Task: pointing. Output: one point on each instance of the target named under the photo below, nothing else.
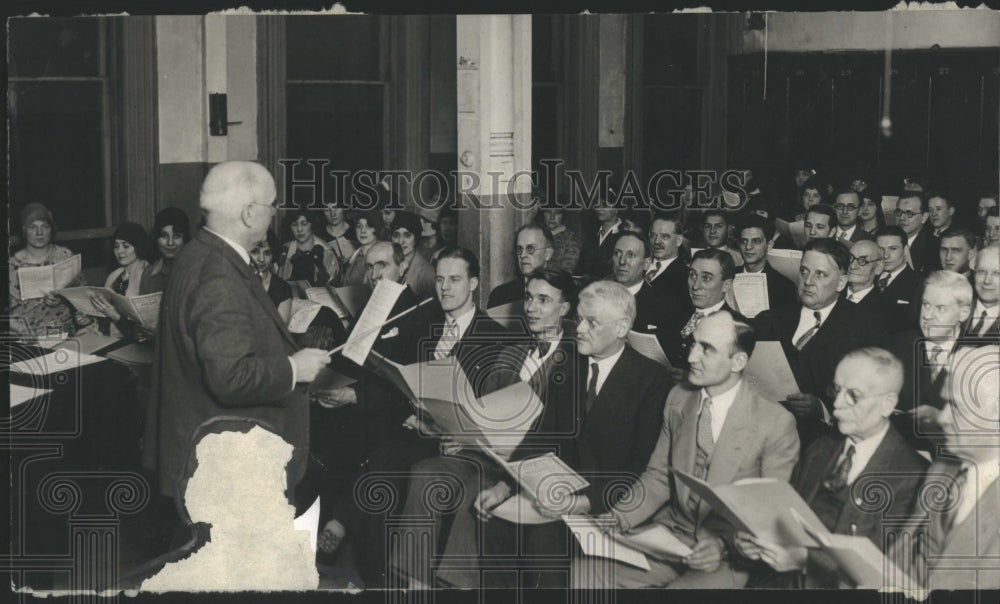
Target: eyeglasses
(862, 261)
(273, 205)
(905, 214)
(982, 273)
(529, 250)
(845, 207)
(851, 397)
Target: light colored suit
(758, 439)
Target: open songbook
(648, 346)
(144, 309)
(633, 547)
(749, 294)
(36, 281)
(796, 231)
(347, 302)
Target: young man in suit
(223, 350)
(816, 333)
(835, 469)
(458, 330)
(985, 319)
(668, 272)
(717, 428)
(755, 241)
(940, 213)
(716, 230)
(595, 255)
(549, 362)
(620, 403)
(898, 283)
(954, 542)
(533, 248)
(911, 215)
(847, 203)
(957, 251)
(819, 222)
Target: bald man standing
(222, 348)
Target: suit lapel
(684, 446)
(730, 448)
(829, 454)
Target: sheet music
(22, 394)
(648, 346)
(769, 373)
(889, 203)
(302, 314)
(369, 324)
(63, 359)
(786, 262)
(67, 271)
(79, 297)
(520, 510)
(506, 415)
(36, 281)
(595, 542)
(329, 299)
(147, 307)
(655, 540)
(540, 475)
(795, 230)
(511, 316)
(354, 297)
(750, 293)
(140, 353)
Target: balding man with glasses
(533, 248)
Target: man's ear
(473, 284)
(740, 360)
(727, 285)
(548, 254)
(563, 309)
(841, 282)
(246, 215)
(770, 245)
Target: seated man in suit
(617, 423)
(717, 428)
(945, 308)
(898, 283)
(459, 330)
(847, 203)
(755, 240)
(985, 319)
(716, 230)
(940, 212)
(955, 544)
(866, 265)
(836, 469)
(819, 222)
(958, 251)
(816, 333)
(630, 262)
(595, 254)
(668, 272)
(991, 231)
(911, 216)
(549, 362)
(533, 248)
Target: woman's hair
(294, 214)
(174, 217)
(135, 236)
(816, 185)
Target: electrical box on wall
(217, 114)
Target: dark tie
(979, 326)
(692, 324)
(542, 346)
(652, 272)
(591, 388)
(705, 444)
(808, 335)
(838, 479)
(954, 499)
(883, 282)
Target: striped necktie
(808, 335)
(705, 444)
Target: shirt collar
(635, 288)
(991, 313)
(614, 229)
(237, 247)
(713, 308)
(860, 295)
(864, 449)
(463, 321)
(807, 314)
(605, 365)
(720, 402)
(848, 233)
(663, 266)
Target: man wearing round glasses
(833, 471)
(848, 205)
(533, 245)
(911, 215)
(866, 265)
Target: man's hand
(308, 362)
(746, 546)
(338, 397)
(489, 499)
(706, 555)
(572, 504)
(804, 406)
(780, 558)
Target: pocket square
(902, 301)
(392, 333)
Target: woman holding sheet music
(306, 257)
(39, 316)
(130, 248)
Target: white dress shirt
(858, 296)
(863, 451)
(720, 407)
(604, 367)
(663, 266)
(635, 288)
(991, 315)
(460, 325)
(893, 274)
(533, 362)
(601, 236)
(807, 320)
(846, 233)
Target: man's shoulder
(765, 412)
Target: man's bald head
(237, 198)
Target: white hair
(613, 294)
(230, 186)
(958, 285)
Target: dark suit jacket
(860, 234)
(875, 307)
(618, 435)
(758, 439)
(595, 257)
(924, 251)
(780, 289)
(992, 326)
(505, 293)
(919, 387)
(222, 350)
(676, 346)
(671, 286)
(902, 300)
(844, 330)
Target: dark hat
(408, 221)
(174, 217)
(36, 211)
(133, 234)
(372, 217)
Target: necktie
(808, 335)
(850, 297)
(838, 479)
(692, 324)
(447, 342)
(652, 272)
(843, 235)
(591, 388)
(936, 359)
(705, 444)
(542, 346)
(954, 500)
(883, 282)
(979, 326)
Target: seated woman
(172, 230)
(130, 248)
(417, 272)
(870, 216)
(306, 258)
(36, 317)
(367, 225)
(813, 192)
(566, 252)
(340, 236)
(262, 262)
(430, 237)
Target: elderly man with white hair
(223, 349)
